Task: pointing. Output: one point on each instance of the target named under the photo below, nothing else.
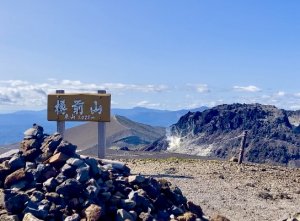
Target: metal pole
(243, 142)
(101, 135)
(60, 124)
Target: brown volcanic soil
(251, 192)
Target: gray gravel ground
(252, 192)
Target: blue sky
(163, 54)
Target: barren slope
(120, 131)
(255, 192)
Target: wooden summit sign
(79, 107)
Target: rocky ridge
(215, 132)
(48, 180)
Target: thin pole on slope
(101, 135)
(60, 124)
(243, 142)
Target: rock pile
(48, 180)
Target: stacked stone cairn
(48, 180)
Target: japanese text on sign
(79, 107)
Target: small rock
(54, 198)
(83, 173)
(31, 155)
(128, 204)
(37, 196)
(29, 144)
(44, 157)
(196, 209)
(76, 162)
(188, 216)
(30, 133)
(162, 203)
(47, 172)
(51, 143)
(30, 165)
(68, 170)
(61, 178)
(92, 191)
(66, 148)
(40, 130)
(296, 217)
(105, 196)
(3, 174)
(58, 159)
(176, 210)
(36, 212)
(136, 179)
(15, 177)
(123, 215)
(124, 148)
(38, 209)
(93, 163)
(30, 217)
(234, 159)
(133, 214)
(70, 188)
(145, 216)
(50, 184)
(73, 203)
(15, 202)
(16, 162)
(93, 212)
(163, 215)
(6, 217)
(74, 217)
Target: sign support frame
(101, 134)
(61, 125)
(96, 108)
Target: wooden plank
(79, 107)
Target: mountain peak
(271, 137)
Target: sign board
(79, 107)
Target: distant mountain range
(12, 125)
(273, 134)
(154, 117)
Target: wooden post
(243, 142)
(101, 135)
(60, 124)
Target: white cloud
(145, 103)
(250, 88)
(200, 88)
(27, 94)
(281, 93)
(134, 87)
(17, 94)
